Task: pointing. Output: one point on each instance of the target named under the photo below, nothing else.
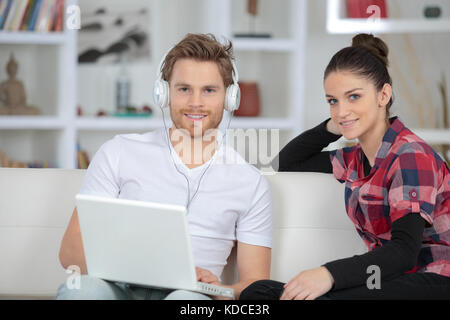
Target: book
(41, 15)
(4, 161)
(24, 15)
(54, 14)
(50, 9)
(57, 26)
(28, 14)
(3, 4)
(18, 15)
(10, 15)
(4, 9)
(46, 16)
(32, 15)
(35, 15)
(358, 8)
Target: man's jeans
(92, 288)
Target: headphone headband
(234, 74)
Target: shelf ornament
(12, 93)
(252, 10)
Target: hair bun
(374, 45)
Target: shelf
(54, 135)
(430, 136)
(109, 123)
(113, 123)
(350, 26)
(338, 25)
(261, 123)
(31, 37)
(433, 136)
(277, 45)
(31, 123)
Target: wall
(169, 21)
(417, 62)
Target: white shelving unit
(337, 24)
(48, 66)
(276, 63)
(108, 123)
(340, 25)
(433, 136)
(275, 45)
(282, 56)
(32, 122)
(28, 37)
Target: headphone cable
(189, 199)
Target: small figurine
(252, 10)
(12, 94)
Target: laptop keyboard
(214, 290)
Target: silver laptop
(140, 243)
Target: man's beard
(199, 128)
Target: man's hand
(206, 276)
(308, 285)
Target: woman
(397, 190)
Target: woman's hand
(308, 285)
(333, 128)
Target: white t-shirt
(233, 201)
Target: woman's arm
(304, 153)
(394, 258)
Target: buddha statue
(12, 94)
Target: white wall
(320, 48)
(416, 64)
(169, 21)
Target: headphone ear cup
(232, 97)
(161, 93)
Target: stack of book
(6, 163)
(82, 158)
(31, 15)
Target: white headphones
(161, 89)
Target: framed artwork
(111, 29)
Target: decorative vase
(432, 12)
(250, 105)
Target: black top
(395, 257)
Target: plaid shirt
(408, 176)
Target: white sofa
(310, 227)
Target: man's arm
(253, 263)
(71, 251)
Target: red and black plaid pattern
(408, 177)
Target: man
(227, 201)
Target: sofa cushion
(310, 227)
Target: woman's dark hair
(367, 57)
